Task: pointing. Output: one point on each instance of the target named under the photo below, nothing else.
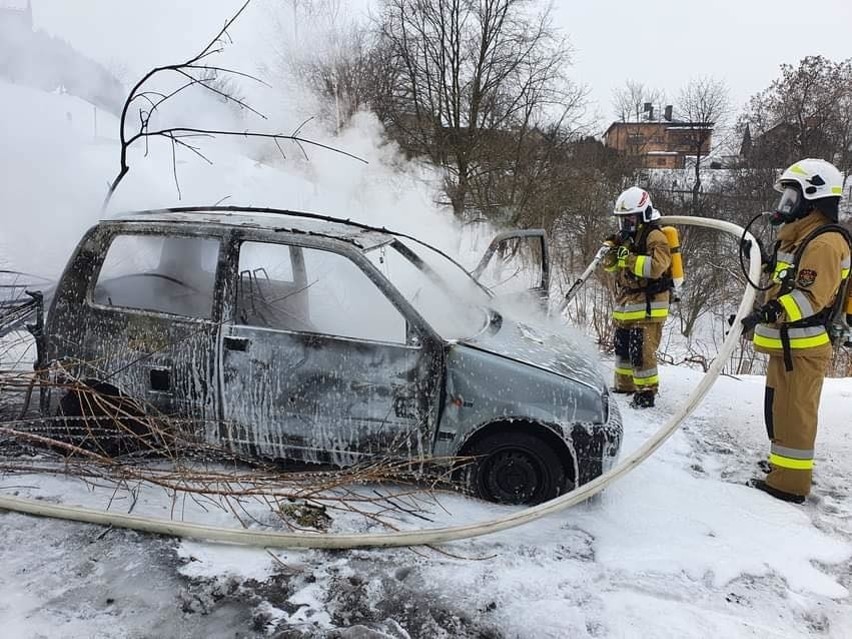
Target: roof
(668, 124)
(360, 235)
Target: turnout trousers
(636, 345)
(791, 405)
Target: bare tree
(633, 104)
(349, 70)
(473, 77)
(703, 105)
(628, 102)
(804, 113)
(193, 73)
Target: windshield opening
(441, 292)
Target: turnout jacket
(642, 279)
(816, 281)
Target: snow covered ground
(679, 548)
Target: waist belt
(805, 333)
(654, 287)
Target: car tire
(91, 427)
(515, 468)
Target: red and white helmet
(635, 200)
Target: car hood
(544, 349)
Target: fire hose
(430, 536)
(575, 286)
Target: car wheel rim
(513, 477)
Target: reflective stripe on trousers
(792, 458)
(647, 377)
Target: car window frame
(418, 330)
(107, 235)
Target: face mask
(628, 226)
(790, 207)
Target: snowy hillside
(679, 548)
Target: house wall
(647, 138)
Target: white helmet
(812, 179)
(635, 200)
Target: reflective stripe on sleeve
(797, 305)
(642, 268)
(791, 307)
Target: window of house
(293, 288)
(160, 273)
(661, 161)
(635, 138)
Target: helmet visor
(628, 223)
(791, 199)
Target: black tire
(515, 468)
(89, 424)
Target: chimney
(668, 113)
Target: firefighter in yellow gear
(640, 259)
(810, 263)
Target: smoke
(56, 164)
(55, 172)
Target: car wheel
(515, 468)
(93, 424)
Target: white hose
(433, 535)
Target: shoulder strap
(642, 240)
(825, 228)
(789, 282)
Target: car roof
(360, 235)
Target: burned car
(293, 336)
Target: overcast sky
(661, 43)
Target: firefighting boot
(760, 484)
(643, 399)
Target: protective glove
(621, 256)
(766, 314)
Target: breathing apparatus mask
(628, 224)
(791, 206)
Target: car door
(516, 266)
(318, 363)
(137, 311)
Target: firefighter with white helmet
(809, 267)
(641, 260)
